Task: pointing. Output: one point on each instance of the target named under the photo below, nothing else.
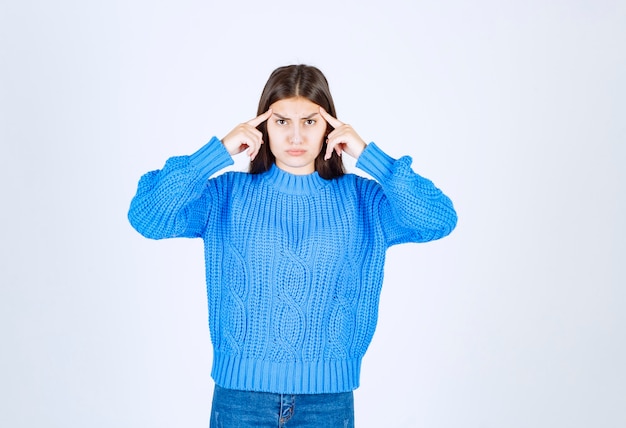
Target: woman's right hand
(245, 136)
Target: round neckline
(286, 182)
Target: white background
(516, 109)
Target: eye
(281, 122)
(309, 122)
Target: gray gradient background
(516, 109)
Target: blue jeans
(248, 409)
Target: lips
(296, 152)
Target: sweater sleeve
(173, 201)
(411, 208)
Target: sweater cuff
(375, 162)
(211, 157)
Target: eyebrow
(280, 116)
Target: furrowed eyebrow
(280, 116)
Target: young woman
(294, 250)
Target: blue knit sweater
(294, 264)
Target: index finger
(333, 121)
(260, 118)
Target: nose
(296, 135)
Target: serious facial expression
(296, 131)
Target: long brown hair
(297, 81)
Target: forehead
(295, 107)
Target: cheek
(275, 139)
(277, 132)
(317, 137)
(272, 135)
(271, 144)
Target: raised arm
(171, 202)
(175, 201)
(410, 207)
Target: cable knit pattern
(294, 264)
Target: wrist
(375, 162)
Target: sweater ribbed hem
(321, 377)
(211, 158)
(375, 162)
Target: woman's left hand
(342, 139)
